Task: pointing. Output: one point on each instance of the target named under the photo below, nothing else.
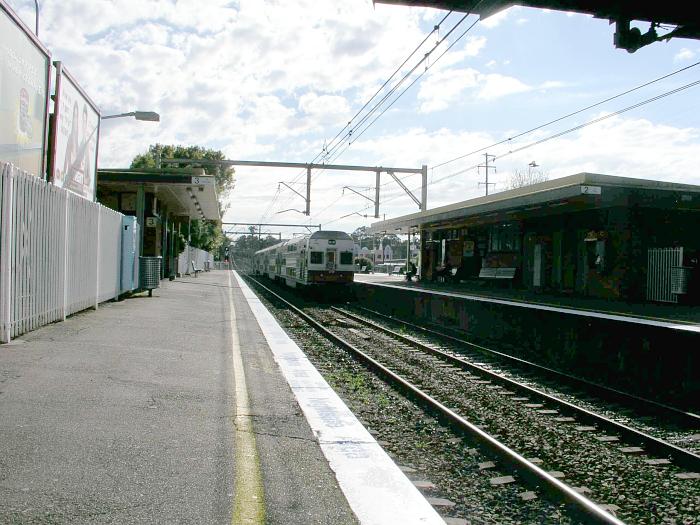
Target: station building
(164, 201)
(586, 234)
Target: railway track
(502, 419)
(646, 407)
(585, 416)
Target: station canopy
(564, 195)
(184, 191)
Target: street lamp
(150, 116)
(533, 164)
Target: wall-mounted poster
(24, 88)
(75, 137)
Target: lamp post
(149, 116)
(533, 164)
(36, 18)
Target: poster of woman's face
(76, 131)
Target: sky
(277, 80)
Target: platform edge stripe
(559, 309)
(358, 464)
(248, 504)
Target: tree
(520, 178)
(224, 175)
(243, 248)
(205, 235)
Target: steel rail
(686, 418)
(680, 456)
(579, 505)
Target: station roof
(184, 191)
(573, 193)
(680, 14)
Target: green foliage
(246, 245)
(224, 175)
(205, 235)
(361, 261)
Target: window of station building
(345, 257)
(316, 257)
(504, 237)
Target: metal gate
(660, 262)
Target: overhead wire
(324, 152)
(568, 115)
(349, 134)
(567, 131)
(435, 28)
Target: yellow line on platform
(248, 494)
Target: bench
(445, 278)
(195, 270)
(497, 273)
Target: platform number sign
(591, 190)
(203, 181)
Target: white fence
(202, 260)
(59, 253)
(660, 263)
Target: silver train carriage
(323, 257)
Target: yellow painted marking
(248, 494)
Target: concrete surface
(377, 490)
(124, 415)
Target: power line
(332, 152)
(324, 151)
(414, 81)
(566, 116)
(436, 28)
(349, 134)
(565, 132)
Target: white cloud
(684, 54)
(552, 84)
(326, 109)
(269, 80)
(627, 147)
(495, 86)
(443, 88)
(474, 45)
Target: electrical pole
(487, 168)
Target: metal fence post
(6, 254)
(97, 258)
(66, 249)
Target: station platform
(191, 406)
(681, 317)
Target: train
(316, 260)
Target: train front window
(345, 257)
(316, 257)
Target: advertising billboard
(24, 90)
(75, 136)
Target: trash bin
(149, 273)
(207, 266)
